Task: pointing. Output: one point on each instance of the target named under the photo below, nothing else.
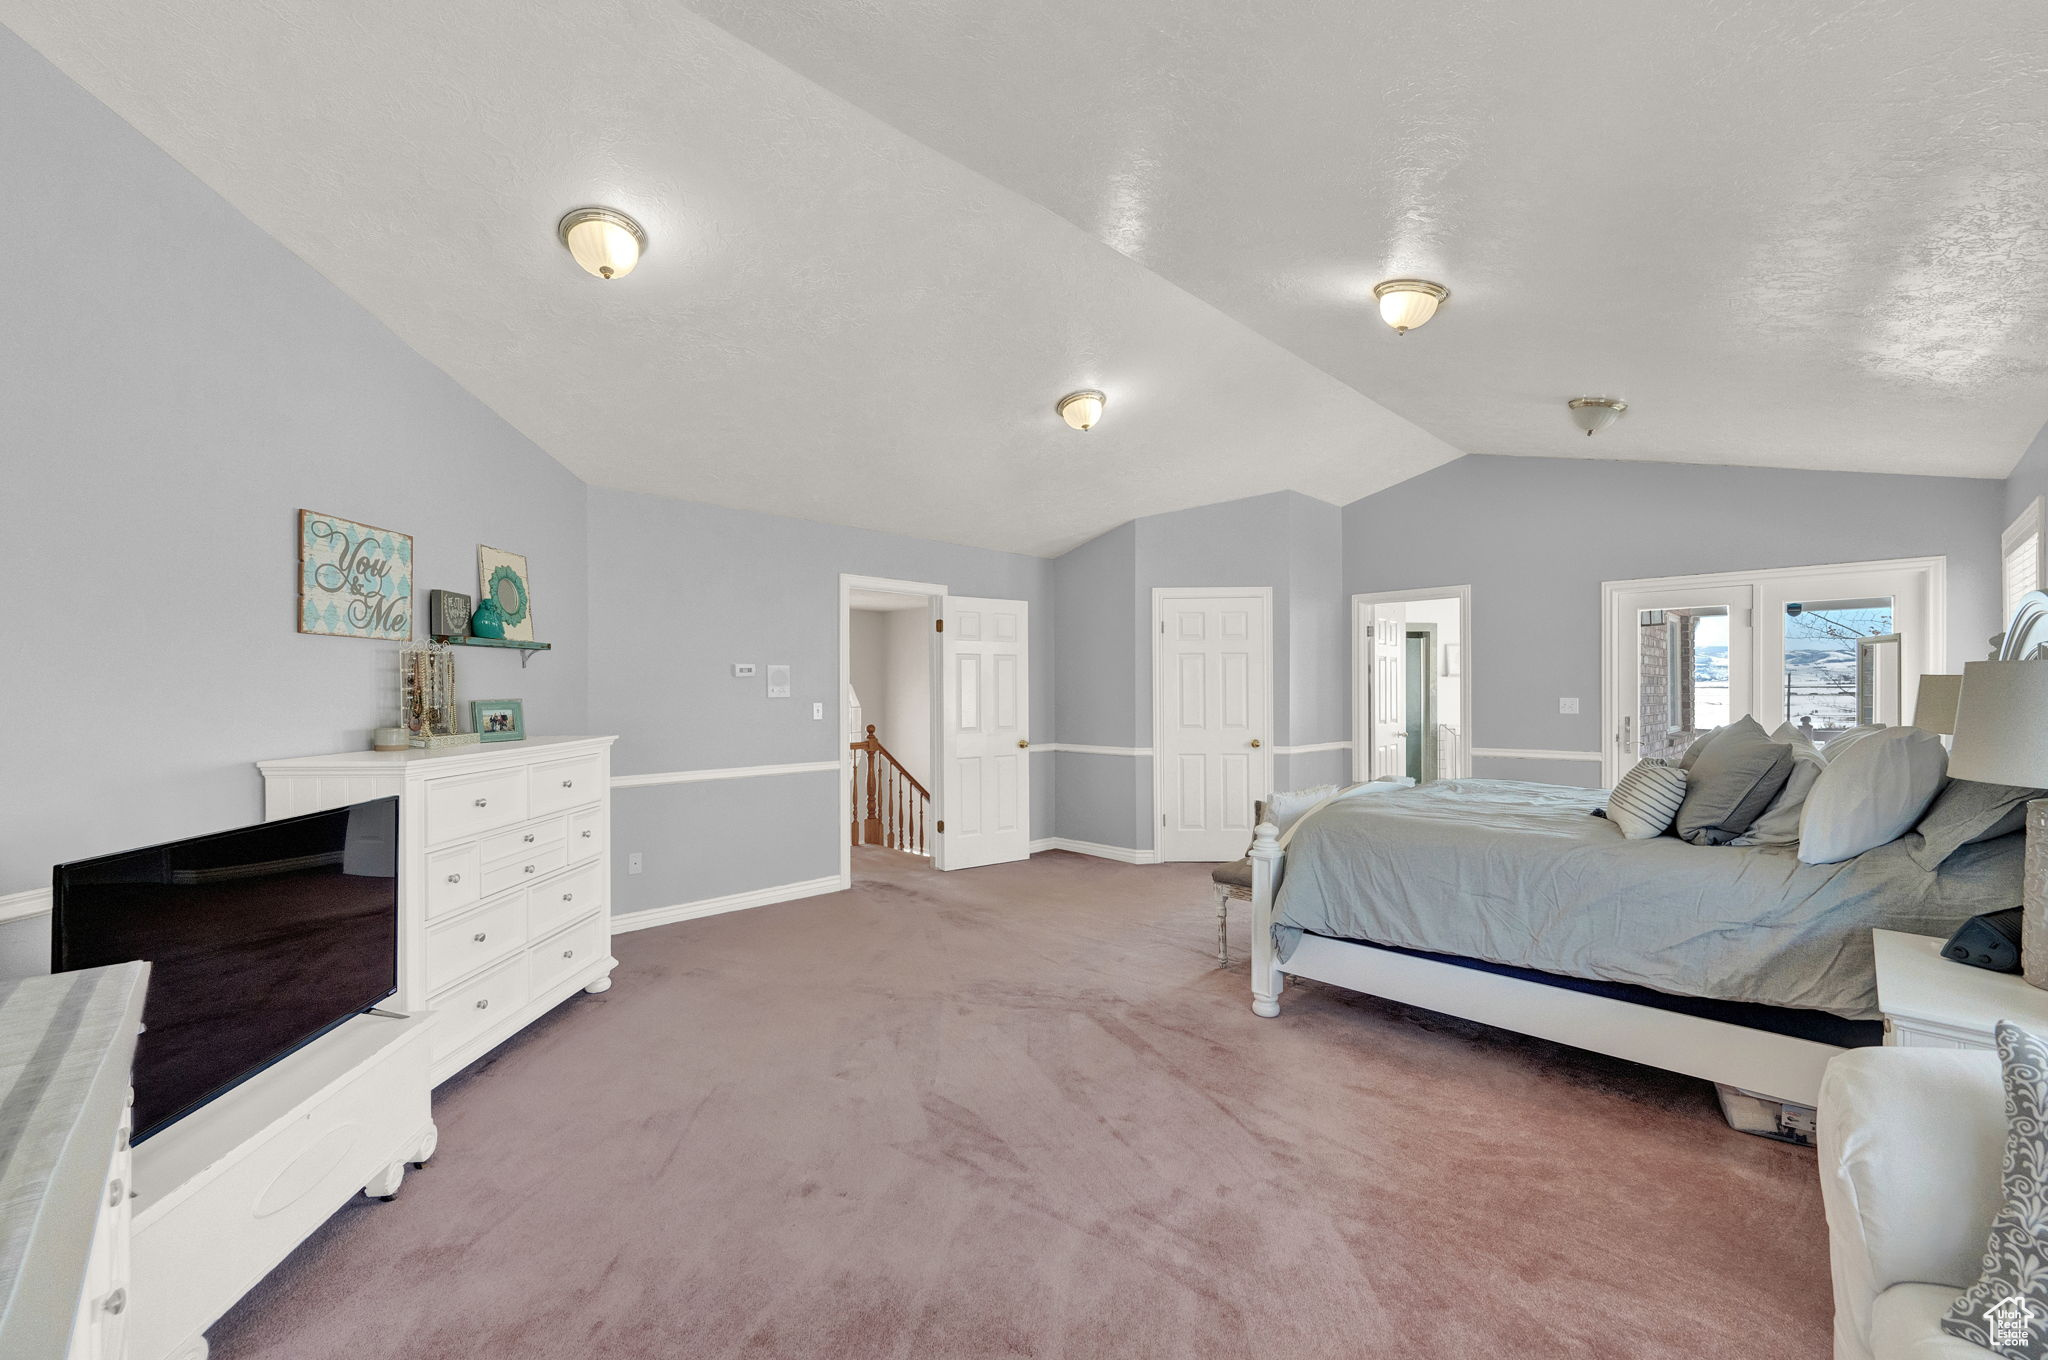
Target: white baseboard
(22, 905)
(713, 906)
(1122, 854)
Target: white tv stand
(226, 1193)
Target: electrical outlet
(1567, 705)
(742, 669)
(818, 712)
(633, 863)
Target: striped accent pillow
(1647, 799)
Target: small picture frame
(501, 578)
(498, 719)
(449, 610)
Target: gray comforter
(1523, 874)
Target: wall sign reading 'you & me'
(355, 580)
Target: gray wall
(1535, 537)
(172, 400)
(2028, 480)
(680, 591)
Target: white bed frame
(1776, 1066)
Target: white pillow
(1834, 746)
(1284, 809)
(1780, 823)
(1871, 794)
(1646, 799)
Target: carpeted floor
(1018, 1111)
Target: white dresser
(505, 887)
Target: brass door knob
(1255, 742)
(1021, 743)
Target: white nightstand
(1930, 1002)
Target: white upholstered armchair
(1910, 1146)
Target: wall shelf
(525, 649)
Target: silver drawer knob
(116, 1301)
(483, 802)
(455, 878)
(530, 868)
(114, 1194)
(478, 937)
(484, 1004)
(568, 953)
(586, 835)
(568, 897)
(568, 783)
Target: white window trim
(1929, 655)
(2031, 521)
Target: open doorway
(1412, 706)
(889, 727)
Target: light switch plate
(778, 682)
(633, 863)
(1567, 705)
(818, 712)
(742, 668)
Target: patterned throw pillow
(1646, 799)
(2007, 1309)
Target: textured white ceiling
(1809, 235)
(832, 321)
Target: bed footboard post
(1266, 858)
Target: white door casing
(984, 793)
(1365, 645)
(1622, 692)
(1212, 718)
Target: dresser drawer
(461, 946)
(473, 804)
(525, 840)
(586, 834)
(467, 1011)
(548, 905)
(560, 785)
(513, 872)
(561, 955)
(455, 879)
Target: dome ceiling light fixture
(1408, 303)
(604, 241)
(1082, 409)
(1594, 414)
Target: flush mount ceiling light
(1407, 303)
(1082, 409)
(605, 242)
(1594, 414)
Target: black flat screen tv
(259, 941)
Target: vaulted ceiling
(884, 238)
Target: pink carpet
(1018, 1111)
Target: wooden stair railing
(889, 805)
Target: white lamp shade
(2002, 724)
(1596, 414)
(1934, 708)
(605, 243)
(1081, 409)
(1405, 310)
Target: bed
(1511, 904)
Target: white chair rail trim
(1521, 753)
(22, 905)
(1079, 749)
(642, 781)
(713, 906)
(1312, 748)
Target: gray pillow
(1699, 744)
(1966, 812)
(2012, 1258)
(1731, 784)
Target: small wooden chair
(1232, 883)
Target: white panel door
(1215, 760)
(1387, 654)
(1682, 666)
(985, 764)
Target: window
(1829, 677)
(2020, 553)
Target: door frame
(1426, 746)
(1262, 768)
(1932, 660)
(935, 608)
(1361, 673)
